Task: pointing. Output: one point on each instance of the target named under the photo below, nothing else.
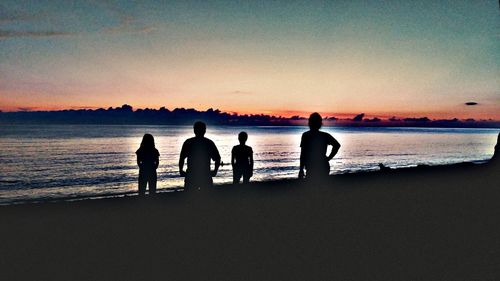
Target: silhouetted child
(242, 160)
(148, 159)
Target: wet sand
(434, 223)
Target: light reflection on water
(65, 160)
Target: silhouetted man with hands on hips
(199, 152)
(314, 144)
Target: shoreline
(425, 223)
(169, 190)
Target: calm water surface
(53, 161)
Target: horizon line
(276, 114)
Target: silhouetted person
(313, 146)
(242, 160)
(199, 152)
(495, 159)
(148, 159)
(383, 167)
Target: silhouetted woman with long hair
(148, 159)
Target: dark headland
(427, 223)
(127, 115)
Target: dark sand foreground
(436, 223)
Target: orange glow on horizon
(433, 115)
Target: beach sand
(431, 223)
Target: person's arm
(335, 148)
(139, 159)
(302, 160)
(181, 160)
(251, 162)
(216, 167)
(157, 160)
(216, 158)
(233, 158)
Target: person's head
(199, 129)
(242, 137)
(148, 142)
(315, 121)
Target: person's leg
(203, 180)
(246, 178)
(318, 173)
(142, 184)
(236, 175)
(326, 171)
(188, 182)
(313, 172)
(246, 175)
(209, 182)
(152, 183)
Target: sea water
(40, 162)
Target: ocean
(40, 162)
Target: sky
(340, 58)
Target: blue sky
(339, 57)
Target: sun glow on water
(88, 160)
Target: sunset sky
(419, 58)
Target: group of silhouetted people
(201, 151)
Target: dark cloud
(126, 28)
(26, 108)
(448, 120)
(358, 117)
(126, 24)
(83, 107)
(9, 16)
(471, 103)
(6, 34)
(376, 119)
(421, 119)
(14, 16)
